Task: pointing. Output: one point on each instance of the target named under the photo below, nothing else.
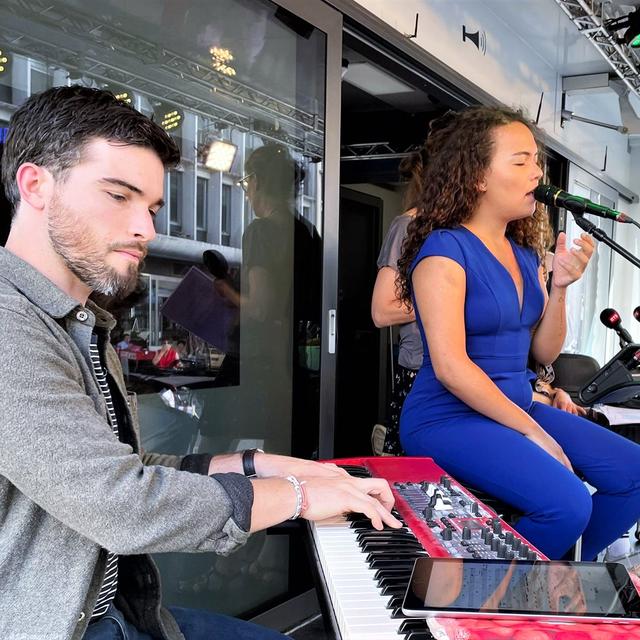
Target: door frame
(328, 20)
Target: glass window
(175, 201)
(587, 297)
(202, 187)
(39, 80)
(247, 374)
(225, 219)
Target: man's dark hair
(52, 128)
(279, 176)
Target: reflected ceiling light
(3, 61)
(220, 59)
(631, 36)
(374, 80)
(171, 120)
(123, 97)
(219, 155)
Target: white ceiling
(544, 25)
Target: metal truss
(590, 17)
(64, 37)
(373, 151)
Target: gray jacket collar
(43, 293)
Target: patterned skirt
(403, 382)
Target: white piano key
(359, 606)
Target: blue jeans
(194, 624)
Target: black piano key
(367, 536)
(413, 624)
(419, 635)
(380, 563)
(361, 522)
(399, 552)
(393, 574)
(398, 555)
(356, 470)
(390, 546)
(404, 584)
(393, 591)
(390, 582)
(383, 533)
(403, 539)
(381, 573)
(393, 547)
(397, 614)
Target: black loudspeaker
(478, 38)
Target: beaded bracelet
(301, 497)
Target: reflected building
(225, 79)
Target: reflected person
(82, 506)
(280, 294)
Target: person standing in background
(387, 310)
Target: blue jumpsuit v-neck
(556, 506)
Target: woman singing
(471, 267)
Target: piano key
(359, 605)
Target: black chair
(572, 371)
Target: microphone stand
(600, 235)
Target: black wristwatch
(248, 466)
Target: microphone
(611, 318)
(636, 313)
(548, 194)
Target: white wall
(530, 45)
(391, 201)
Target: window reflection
(223, 332)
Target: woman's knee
(570, 507)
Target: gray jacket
(70, 489)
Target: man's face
(100, 218)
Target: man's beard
(83, 255)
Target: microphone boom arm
(600, 235)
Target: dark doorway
(358, 364)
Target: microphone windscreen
(610, 318)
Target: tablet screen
(558, 588)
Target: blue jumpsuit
(556, 506)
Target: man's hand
(269, 465)
(274, 500)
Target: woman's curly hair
(457, 154)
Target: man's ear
(35, 184)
